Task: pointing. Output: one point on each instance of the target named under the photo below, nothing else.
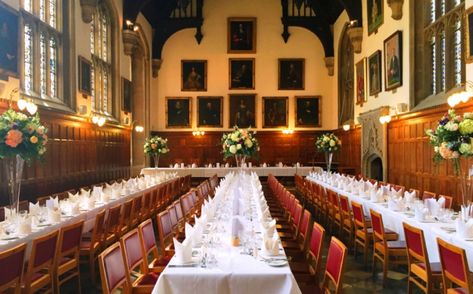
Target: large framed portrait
(85, 76)
(275, 112)
(8, 42)
(242, 73)
(393, 61)
(375, 13)
(360, 82)
(308, 111)
(209, 111)
(242, 110)
(469, 35)
(126, 93)
(178, 112)
(241, 35)
(194, 75)
(291, 74)
(374, 71)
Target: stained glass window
(434, 64)
(52, 67)
(43, 56)
(42, 10)
(100, 41)
(28, 58)
(52, 13)
(457, 63)
(27, 5)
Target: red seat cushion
(163, 261)
(36, 276)
(435, 267)
(459, 290)
(149, 279)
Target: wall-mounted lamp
(129, 24)
(393, 111)
(98, 120)
(460, 94)
(139, 129)
(348, 124)
(28, 105)
(385, 119)
(198, 133)
(287, 131)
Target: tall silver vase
(14, 173)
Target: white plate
(428, 221)
(277, 262)
(468, 239)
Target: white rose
(238, 146)
(248, 143)
(332, 143)
(436, 149)
(233, 149)
(451, 126)
(326, 139)
(234, 137)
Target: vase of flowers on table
(22, 138)
(240, 144)
(154, 147)
(328, 143)
(452, 140)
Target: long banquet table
(205, 172)
(394, 221)
(87, 215)
(234, 271)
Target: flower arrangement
(452, 138)
(328, 142)
(239, 142)
(22, 135)
(156, 146)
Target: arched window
(438, 54)
(41, 47)
(100, 49)
(345, 79)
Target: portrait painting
(209, 111)
(308, 111)
(242, 73)
(375, 15)
(469, 35)
(126, 93)
(374, 70)
(178, 112)
(291, 74)
(242, 110)
(393, 61)
(8, 42)
(241, 35)
(275, 112)
(85, 76)
(194, 75)
(360, 82)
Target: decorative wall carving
(356, 38)
(88, 8)
(396, 8)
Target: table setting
(233, 247)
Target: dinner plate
(427, 221)
(8, 238)
(277, 262)
(448, 229)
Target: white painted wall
(270, 47)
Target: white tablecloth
(393, 220)
(205, 172)
(234, 272)
(87, 216)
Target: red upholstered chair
(363, 232)
(113, 270)
(335, 266)
(134, 259)
(68, 255)
(125, 217)
(40, 270)
(148, 241)
(455, 269)
(146, 209)
(422, 273)
(299, 245)
(91, 246)
(11, 268)
(347, 218)
(165, 233)
(448, 201)
(136, 211)
(388, 252)
(112, 224)
(427, 195)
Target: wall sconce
(198, 133)
(129, 24)
(98, 120)
(385, 119)
(28, 105)
(462, 93)
(348, 124)
(393, 111)
(287, 131)
(139, 129)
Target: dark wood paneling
(410, 154)
(78, 154)
(275, 147)
(349, 156)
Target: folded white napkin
(227, 165)
(176, 165)
(52, 202)
(434, 205)
(34, 208)
(270, 228)
(420, 213)
(265, 165)
(409, 197)
(270, 245)
(97, 191)
(9, 213)
(84, 192)
(377, 195)
(54, 215)
(194, 233)
(395, 193)
(183, 251)
(464, 229)
(24, 226)
(237, 227)
(396, 204)
(202, 221)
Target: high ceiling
(159, 15)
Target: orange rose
(34, 139)
(13, 138)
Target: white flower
(248, 143)
(233, 149)
(451, 126)
(436, 149)
(234, 137)
(238, 146)
(332, 143)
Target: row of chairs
(302, 239)
(136, 259)
(367, 232)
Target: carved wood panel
(78, 154)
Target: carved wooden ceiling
(170, 16)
